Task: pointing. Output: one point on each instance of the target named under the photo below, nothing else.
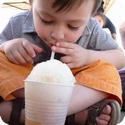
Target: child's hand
(20, 51)
(75, 55)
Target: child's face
(100, 20)
(68, 26)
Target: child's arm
(115, 57)
(95, 44)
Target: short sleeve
(14, 27)
(100, 39)
(6, 34)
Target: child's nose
(57, 34)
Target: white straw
(52, 55)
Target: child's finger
(37, 48)
(25, 55)
(31, 48)
(19, 58)
(71, 65)
(12, 58)
(66, 59)
(61, 50)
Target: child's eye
(73, 27)
(46, 22)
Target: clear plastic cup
(46, 104)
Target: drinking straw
(52, 55)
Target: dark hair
(68, 4)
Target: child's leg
(6, 108)
(83, 97)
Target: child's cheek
(42, 33)
(73, 37)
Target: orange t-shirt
(11, 77)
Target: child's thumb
(37, 49)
